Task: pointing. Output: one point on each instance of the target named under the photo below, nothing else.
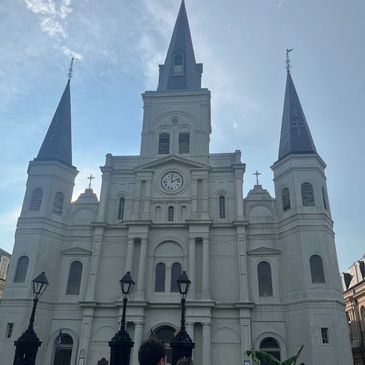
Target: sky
(118, 44)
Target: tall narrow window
(264, 279)
(324, 333)
(324, 197)
(164, 143)
(175, 273)
(271, 346)
(74, 278)
(286, 199)
(21, 269)
(222, 207)
(121, 209)
(184, 142)
(317, 272)
(307, 194)
(170, 214)
(160, 277)
(179, 64)
(58, 203)
(9, 330)
(36, 200)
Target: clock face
(172, 181)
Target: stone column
(190, 329)
(136, 200)
(141, 270)
(129, 259)
(205, 197)
(191, 273)
(207, 340)
(206, 270)
(238, 180)
(86, 323)
(146, 213)
(245, 325)
(138, 332)
(194, 200)
(242, 262)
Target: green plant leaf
(292, 360)
(263, 356)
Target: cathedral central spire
(180, 70)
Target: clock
(171, 181)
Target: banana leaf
(292, 360)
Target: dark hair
(151, 352)
(185, 361)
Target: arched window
(63, 350)
(307, 194)
(184, 142)
(74, 278)
(160, 277)
(183, 213)
(158, 214)
(170, 214)
(121, 209)
(166, 335)
(264, 279)
(271, 346)
(317, 272)
(164, 143)
(36, 200)
(286, 199)
(58, 203)
(222, 206)
(21, 269)
(324, 197)
(175, 273)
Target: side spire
(57, 142)
(180, 70)
(295, 136)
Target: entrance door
(63, 355)
(166, 335)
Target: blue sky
(118, 45)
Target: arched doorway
(271, 346)
(64, 351)
(166, 334)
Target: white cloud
(52, 27)
(72, 54)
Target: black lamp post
(121, 344)
(26, 346)
(182, 345)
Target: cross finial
(91, 177)
(257, 174)
(70, 68)
(288, 66)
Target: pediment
(263, 251)
(76, 251)
(172, 159)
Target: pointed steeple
(57, 143)
(180, 71)
(295, 134)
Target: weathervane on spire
(288, 66)
(70, 69)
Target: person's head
(185, 361)
(151, 352)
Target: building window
(9, 330)
(175, 273)
(324, 197)
(324, 333)
(63, 350)
(179, 64)
(21, 269)
(222, 207)
(286, 199)
(164, 143)
(160, 277)
(58, 203)
(36, 201)
(271, 346)
(184, 142)
(121, 209)
(317, 272)
(264, 279)
(74, 278)
(307, 194)
(170, 214)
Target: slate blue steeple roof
(57, 143)
(295, 134)
(180, 71)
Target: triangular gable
(173, 159)
(77, 251)
(263, 251)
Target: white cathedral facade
(264, 270)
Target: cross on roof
(90, 178)
(257, 174)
